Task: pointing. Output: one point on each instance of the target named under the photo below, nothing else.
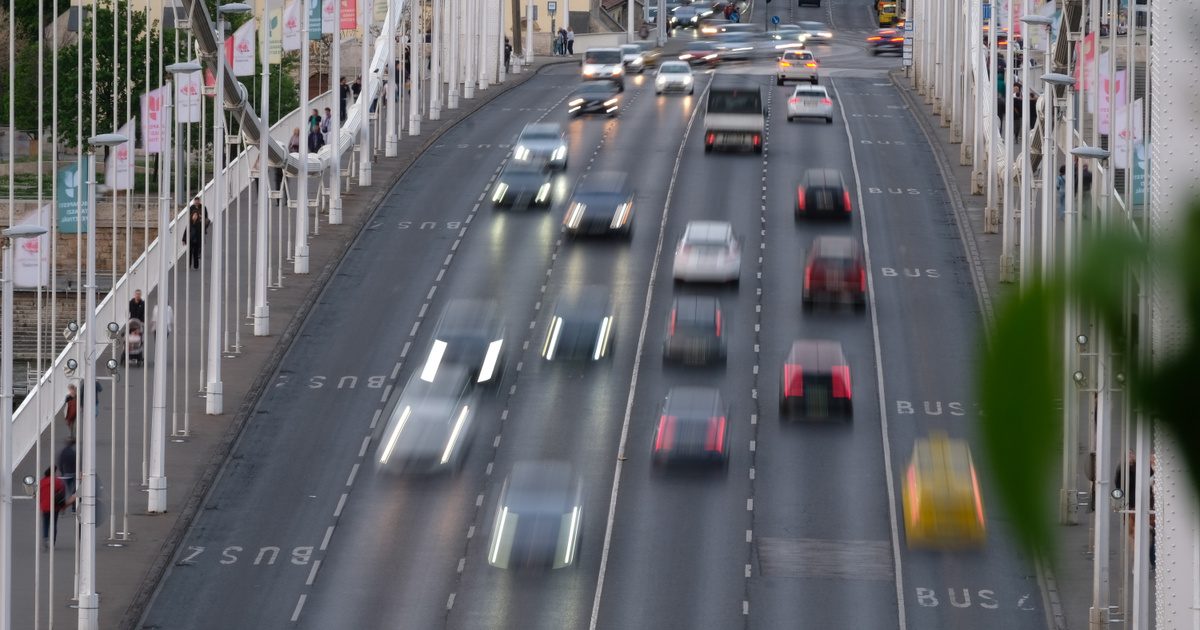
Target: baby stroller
(135, 347)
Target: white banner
(240, 48)
(328, 16)
(118, 168)
(381, 9)
(152, 112)
(187, 96)
(1117, 85)
(33, 254)
(1120, 150)
(291, 26)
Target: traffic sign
(775, 19)
(551, 7)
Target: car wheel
(860, 307)
(758, 149)
(814, 80)
(829, 120)
(789, 118)
(874, 52)
(691, 91)
(708, 148)
(778, 80)
(658, 92)
(806, 305)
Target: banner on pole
(291, 26)
(239, 50)
(1123, 134)
(32, 255)
(72, 197)
(328, 16)
(118, 167)
(1141, 160)
(187, 97)
(275, 36)
(349, 14)
(152, 112)
(1117, 84)
(314, 19)
(381, 9)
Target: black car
(823, 192)
(470, 334)
(693, 428)
(695, 332)
(816, 381)
(688, 16)
(601, 206)
(595, 97)
(886, 40)
(523, 183)
(581, 328)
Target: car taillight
(862, 280)
(897, 39)
(710, 138)
(811, 64)
(845, 197)
(841, 381)
(785, 64)
(800, 199)
(808, 271)
(757, 139)
(715, 440)
(793, 100)
(718, 323)
(671, 328)
(914, 493)
(874, 38)
(793, 380)
(978, 497)
(827, 101)
(666, 433)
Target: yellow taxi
(943, 507)
(888, 14)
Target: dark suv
(816, 381)
(835, 272)
(822, 192)
(694, 331)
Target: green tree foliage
(1020, 380)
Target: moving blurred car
(714, 27)
(734, 116)
(542, 141)
(787, 32)
(604, 64)
(835, 272)
(581, 328)
(888, 14)
(708, 252)
(538, 518)
(810, 101)
(689, 16)
(822, 192)
(601, 206)
(735, 46)
(594, 97)
(651, 54)
(886, 40)
(797, 65)
(816, 381)
(674, 76)
(694, 331)
(693, 428)
(429, 429)
(632, 59)
(522, 184)
(943, 507)
(470, 333)
(815, 31)
(700, 52)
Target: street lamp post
(157, 478)
(1027, 222)
(11, 235)
(214, 398)
(364, 148)
(89, 599)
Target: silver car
(429, 429)
(538, 518)
(708, 252)
(542, 141)
(674, 76)
(816, 32)
(797, 65)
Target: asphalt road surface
(800, 530)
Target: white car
(708, 252)
(632, 59)
(542, 141)
(816, 32)
(810, 101)
(674, 76)
(797, 65)
(604, 64)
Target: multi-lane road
(800, 531)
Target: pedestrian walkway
(134, 547)
(1068, 588)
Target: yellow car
(888, 14)
(943, 507)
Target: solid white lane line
(299, 607)
(612, 502)
(883, 417)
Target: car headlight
(559, 153)
(390, 444)
(589, 72)
(434, 360)
(618, 71)
(621, 216)
(455, 434)
(551, 344)
(576, 102)
(521, 152)
(490, 361)
(660, 79)
(602, 339)
(575, 215)
(687, 78)
(543, 192)
(610, 102)
(501, 190)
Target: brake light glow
(811, 64)
(841, 381)
(897, 39)
(914, 494)
(666, 433)
(785, 64)
(800, 204)
(827, 101)
(808, 277)
(978, 497)
(793, 101)
(718, 322)
(671, 327)
(862, 280)
(757, 139)
(710, 138)
(793, 380)
(874, 38)
(845, 197)
(715, 440)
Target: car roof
(823, 177)
(635, 47)
(708, 231)
(944, 464)
(696, 307)
(542, 129)
(604, 49)
(604, 182)
(835, 247)
(478, 315)
(810, 88)
(674, 64)
(540, 486)
(692, 402)
(816, 354)
(803, 54)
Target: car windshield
(812, 26)
(673, 68)
(604, 57)
(540, 135)
(810, 93)
(747, 101)
(631, 49)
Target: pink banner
(152, 123)
(349, 20)
(118, 171)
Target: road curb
(132, 618)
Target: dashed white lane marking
(490, 466)
(496, 442)
(396, 369)
(387, 391)
(470, 532)
(375, 418)
(751, 446)
(454, 246)
(752, 473)
(449, 257)
(312, 573)
(750, 504)
(478, 500)
(745, 607)
(353, 474)
(404, 352)
(749, 535)
(442, 272)
(462, 564)
(362, 450)
(328, 535)
(341, 504)
(504, 415)
(299, 607)
(413, 332)
(747, 570)
(432, 289)
(421, 313)
(753, 419)
(520, 364)
(450, 602)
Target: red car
(816, 381)
(835, 273)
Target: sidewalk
(133, 547)
(1068, 594)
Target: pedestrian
(315, 140)
(99, 389)
(344, 96)
(1060, 185)
(507, 55)
(294, 143)
(137, 306)
(728, 10)
(314, 121)
(72, 411)
(327, 124)
(356, 88)
(193, 236)
(570, 41)
(52, 498)
(66, 464)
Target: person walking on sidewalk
(137, 306)
(193, 236)
(66, 465)
(72, 411)
(507, 55)
(52, 498)
(570, 41)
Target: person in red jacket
(52, 498)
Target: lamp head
(1055, 78)
(107, 140)
(24, 231)
(233, 7)
(1095, 153)
(184, 67)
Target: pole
(364, 147)
(157, 480)
(262, 309)
(483, 25)
(300, 251)
(414, 67)
(1008, 241)
(529, 31)
(1067, 498)
(452, 68)
(214, 397)
(466, 38)
(335, 127)
(661, 22)
(6, 415)
(1026, 264)
(1102, 523)
(89, 599)
(629, 9)
(435, 61)
(396, 82)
